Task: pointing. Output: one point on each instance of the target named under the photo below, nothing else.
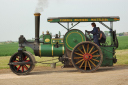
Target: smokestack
(37, 26)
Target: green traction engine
(74, 49)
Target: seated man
(102, 37)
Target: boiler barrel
(50, 50)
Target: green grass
(121, 56)
(3, 62)
(123, 42)
(10, 49)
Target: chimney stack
(37, 26)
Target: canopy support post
(68, 25)
(111, 31)
(111, 25)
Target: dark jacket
(95, 35)
(94, 32)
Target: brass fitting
(37, 14)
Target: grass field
(123, 42)
(121, 56)
(10, 49)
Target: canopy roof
(84, 19)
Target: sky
(17, 16)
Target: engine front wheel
(22, 64)
(87, 57)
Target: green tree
(121, 34)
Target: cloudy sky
(16, 16)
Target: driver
(95, 33)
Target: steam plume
(41, 5)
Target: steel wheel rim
(87, 57)
(21, 68)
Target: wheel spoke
(79, 61)
(22, 68)
(94, 51)
(96, 55)
(87, 48)
(28, 64)
(17, 57)
(25, 67)
(18, 68)
(91, 49)
(80, 50)
(85, 65)
(78, 54)
(77, 57)
(15, 61)
(95, 60)
(92, 63)
(81, 64)
(89, 65)
(84, 48)
(25, 58)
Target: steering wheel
(90, 38)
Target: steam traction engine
(75, 49)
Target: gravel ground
(117, 75)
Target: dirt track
(117, 75)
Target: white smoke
(41, 5)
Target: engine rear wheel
(24, 68)
(87, 57)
